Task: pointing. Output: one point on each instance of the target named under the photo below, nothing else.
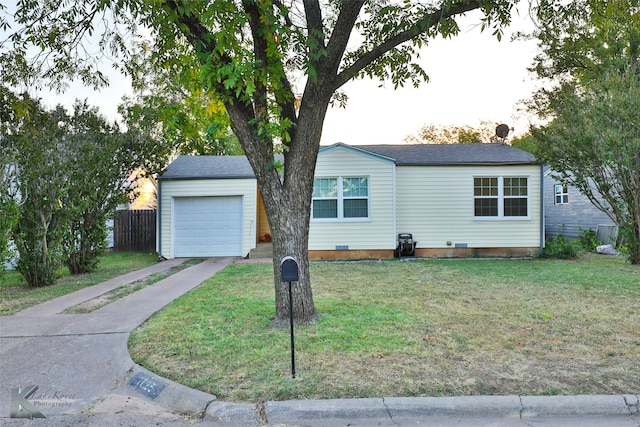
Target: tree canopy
(434, 134)
(592, 139)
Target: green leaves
(68, 174)
(591, 50)
(583, 38)
(594, 142)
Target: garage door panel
(208, 226)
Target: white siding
(435, 204)
(378, 231)
(207, 188)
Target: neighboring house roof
(452, 154)
(221, 167)
(207, 167)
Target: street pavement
(84, 376)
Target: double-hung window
(561, 193)
(342, 198)
(498, 197)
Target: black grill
(406, 246)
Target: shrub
(559, 247)
(588, 240)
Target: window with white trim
(340, 198)
(501, 197)
(561, 194)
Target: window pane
(356, 208)
(515, 186)
(325, 187)
(325, 208)
(486, 207)
(562, 194)
(355, 187)
(515, 207)
(485, 186)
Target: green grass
(16, 296)
(415, 328)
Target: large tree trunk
(290, 230)
(287, 201)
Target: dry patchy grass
(422, 328)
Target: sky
(473, 77)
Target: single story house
(568, 211)
(455, 200)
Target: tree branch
(262, 61)
(418, 28)
(341, 33)
(315, 28)
(287, 18)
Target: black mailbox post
(289, 273)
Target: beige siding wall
(435, 204)
(208, 188)
(378, 231)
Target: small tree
(591, 50)
(594, 144)
(43, 182)
(98, 167)
(71, 173)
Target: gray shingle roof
(221, 167)
(206, 167)
(452, 154)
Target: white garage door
(207, 226)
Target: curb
(169, 394)
(233, 414)
(477, 407)
(533, 406)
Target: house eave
(422, 164)
(195, 178)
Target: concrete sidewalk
(85, 376)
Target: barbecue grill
(406, 246)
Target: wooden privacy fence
(135, 231)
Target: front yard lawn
(419, 328)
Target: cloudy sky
(473, 77)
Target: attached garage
(208, 226)
(207, 207)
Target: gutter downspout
(394, 209)
(159, 221)
(542, 216)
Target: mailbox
(289, 269)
